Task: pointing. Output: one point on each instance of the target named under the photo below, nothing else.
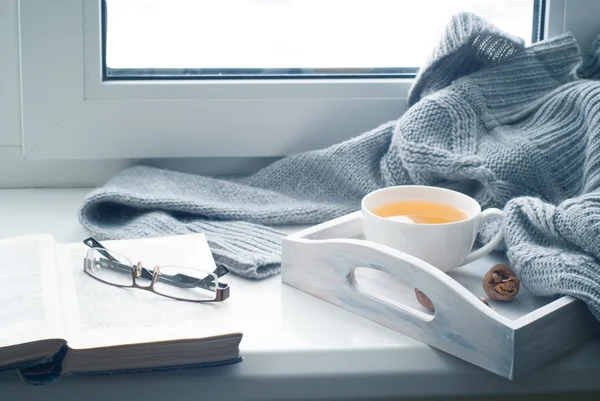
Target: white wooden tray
(333, 262)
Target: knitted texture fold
(520, 124)
(555, 250)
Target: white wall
(581, 17)
(10, 117)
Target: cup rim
(441, 189)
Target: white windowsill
(295, 346)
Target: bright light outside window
(228, 38)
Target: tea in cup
(434, 224)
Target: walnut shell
(501, 283)
(424, 300)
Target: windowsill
(295, 346)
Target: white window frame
(68, 112)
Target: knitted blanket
(520, 124)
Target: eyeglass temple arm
(108, 264)
(179, 280)
(182, 280)
(93, 243)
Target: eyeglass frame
(221, 290)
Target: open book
(55, 319)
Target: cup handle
(494, 242)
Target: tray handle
(342, 256)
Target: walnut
(501, 283)
(424, 300)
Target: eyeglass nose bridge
(137, 273)
(138, 269)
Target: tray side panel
(553, 334)
(461, 326)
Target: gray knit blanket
(520, 124)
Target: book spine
(46, 372)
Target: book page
(103, 315)
(30, 307)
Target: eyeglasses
(177, 282)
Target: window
(190, 39)
(145, 92)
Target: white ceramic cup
(445, 246)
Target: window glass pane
(279, 37)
